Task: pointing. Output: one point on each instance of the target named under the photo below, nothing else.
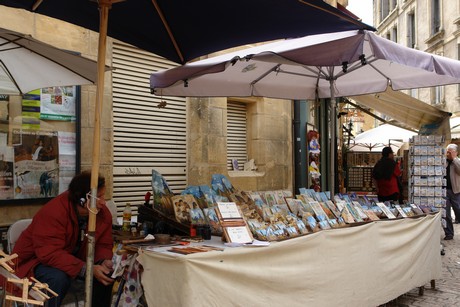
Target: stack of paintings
(272, 215)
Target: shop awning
(403, 108)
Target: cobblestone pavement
(447, 290)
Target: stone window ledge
(245, 174)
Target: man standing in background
(452, 190)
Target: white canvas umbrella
(384, 135)
(455, 127)
(27, 64)
(317, 66)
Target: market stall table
(366, 265)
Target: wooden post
(104, 6)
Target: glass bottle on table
(127, 213)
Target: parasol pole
(333, 136)
(104, 6)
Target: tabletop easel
(7, 261)
(35, 285)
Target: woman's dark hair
(81, 185)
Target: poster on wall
(58, 103)
(31, 110)
(38, 143)
(36, 164)
(314, 150)
(67, 158)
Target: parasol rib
(8, 73)
(21, 45)
(274, 68)
(168, 29)
(36, 5)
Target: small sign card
(238, 234)
(229, 210)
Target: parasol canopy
(318, 66)
(27, 64)
(384, 135)
(181, 30)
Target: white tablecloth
(366, 265)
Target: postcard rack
(427, 169)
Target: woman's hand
(102, 272)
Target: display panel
(38, 143)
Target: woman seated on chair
(53, 248)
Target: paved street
(447, 291)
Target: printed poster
(31, 110)
(67, 158)
(36, 164)
(58, 103)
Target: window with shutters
(236, 134)
(435, 16)
(394, 34)
(384, 9)
(411, 30)
(437, 95)
(149, 131)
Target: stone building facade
(428, 25)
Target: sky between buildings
(362, 9)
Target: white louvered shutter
(236, 134)
(146, 137)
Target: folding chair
(15, 231)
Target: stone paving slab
(447, 290)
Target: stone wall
(269, 142)
(444, 43)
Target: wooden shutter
(236, 134)
(146, 137)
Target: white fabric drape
(365, 265)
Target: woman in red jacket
(385, 174)
(53, 247)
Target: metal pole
(104, 6)
(333, 124)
